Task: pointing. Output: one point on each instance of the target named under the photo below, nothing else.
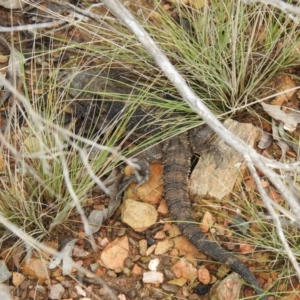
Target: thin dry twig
(289, 9)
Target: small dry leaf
(65, 256)
(291, 120)
(282, 144)
(265, 141)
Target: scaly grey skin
(175, 153)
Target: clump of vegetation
(226, 51)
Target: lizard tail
(176, 170)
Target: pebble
(202, 289)
(17, 279)
(150, 241)
(143, 247)
(145, 259)
(131, 294)
(111, 273)
(138, 285)
(153, 264)
(5, 273)
(143, 292)
(153, 277)
(41, 289)
(56, 291)
(163, 247)
(138, 215)
(169, 274)
(121, 231)
(126, 271)
(171, 288)
(115, 253)
(157, 294)
(128, 263)
(94, 267)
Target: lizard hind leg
(139, 176)
(143, 173)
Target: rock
(204, 275)
(163, 247)
(136, 270)
(163, 208)
(216, 175)
(36, 267)
(185, 248)
(115, 253)
(138, 215)
(143, 247)
(153, 264)
(153, 277)
(171, 288)
(56, 291)
(160, 235)
(207, 222)
(178, 281)
(185, 269)
(227, 289)
(18, 278)
(150, 191)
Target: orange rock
(207, 221)
(36, 267)
(163, 247)
(150, 249)
(160, 235)
(245, 248)
(18, 278)
(185, 269)
(115, 253)
(152, 190)
(185, 247)
(136, 270)
(163, 208)
(204, 275)
(287, 87)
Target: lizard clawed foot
(140, 176)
